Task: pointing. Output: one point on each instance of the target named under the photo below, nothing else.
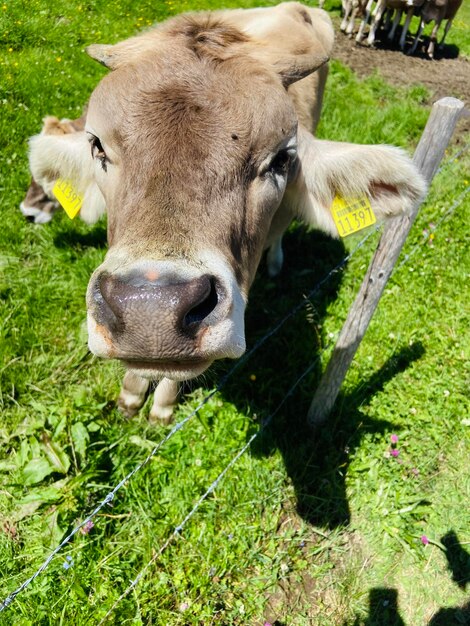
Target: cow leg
(446, 30)
(406, 27)
(133, 394)
(365, 21)
(275, 257)
(432, 43)
(37, 207)
(412, 50)
(396, 21)
(379, 9)
(352, 18)
(388, 19)
(347, 11)
(164, 401)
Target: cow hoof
(43, 218)
(162, 415)
(29, 211)
(128, 404)
(35, 215)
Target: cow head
(190, 142)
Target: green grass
(300, 531)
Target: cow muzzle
(164, 320)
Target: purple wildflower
(424, 540)
(394, 439)
(85, 529)
(395, 452)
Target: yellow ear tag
(352, 214)
(68, 197)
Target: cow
(436, 11)
(199, 145)
(38, 206)
(411, 7)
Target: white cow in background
(411, 7)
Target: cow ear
(294, 68)
(293, 39)
(385, 174)
(103, 53)
(67, 157)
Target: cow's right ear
(384, 174)
(67, 157)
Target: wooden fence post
(434, 140)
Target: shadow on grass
(383, 611)
(459, 616)
(458, 559)
(383, 603)
(316, 465)
(94, 237)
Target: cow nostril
(203, 309)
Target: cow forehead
(186, 103)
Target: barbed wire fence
(180, 425)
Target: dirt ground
(447, 75)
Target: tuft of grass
(300, 531)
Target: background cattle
(436, 11)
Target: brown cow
(436, 11)
(198, 144)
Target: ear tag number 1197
(68, 197)
(352, 214)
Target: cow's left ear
(103, 53)
(385, 174)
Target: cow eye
(97, 151)
(280, 164)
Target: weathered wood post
(434, 140)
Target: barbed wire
(179, 528)
(110, 496)
(429, 236)
(454, 158)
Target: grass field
(336, 531)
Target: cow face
(191, 177)
(192, 143)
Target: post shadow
(458, 559)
